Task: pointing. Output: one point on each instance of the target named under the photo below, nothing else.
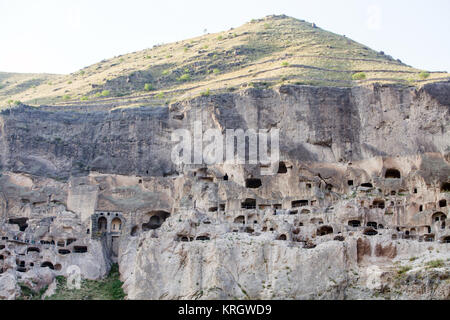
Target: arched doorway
(239, 220)
(116, 225)
(438, 216)
(102, 224)
(282, 237)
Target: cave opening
(324, 230)
(392, 174)
(445, 187)
(370, 231)
(248, 203)
(33, 249)
(282, 168)
(372, 224)
(253, 183)
(47, 264)
(378, 203)
(354, 223)
(299, 203)
(156, 220)
(240, 220)
(21, 222)
(80, 249)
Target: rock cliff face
(357, 209)
(317, 124)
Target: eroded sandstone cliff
(357, 209)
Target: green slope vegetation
(264, 52)
(109, 288)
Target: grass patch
(424, 75)
(359, 76)
(205, 93)
(404, 269)
(185, 77)
(109, 288)
(28, 294)
(435, 263)
(256, 51)
(148, 87)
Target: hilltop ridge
(265, 52)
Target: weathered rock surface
(363, 187)
(9, 289)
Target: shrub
(205, 93)
(359, 76)
(435, 264)
(1, 86)
(165, 72)
(69, 82)
(216, 71)
(17, 102)
(403, 270)
(160, 95)
(185, 77)
(66, 97)
(219, 38)
(285, 64)
(105, 93)
(424, 75)
(148, 87)
(84, 98)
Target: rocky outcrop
(9, 289)
(317, 124)
(362, 187)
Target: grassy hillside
(264, 52)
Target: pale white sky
(63, 36)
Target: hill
(263, 52)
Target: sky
(63, 36)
